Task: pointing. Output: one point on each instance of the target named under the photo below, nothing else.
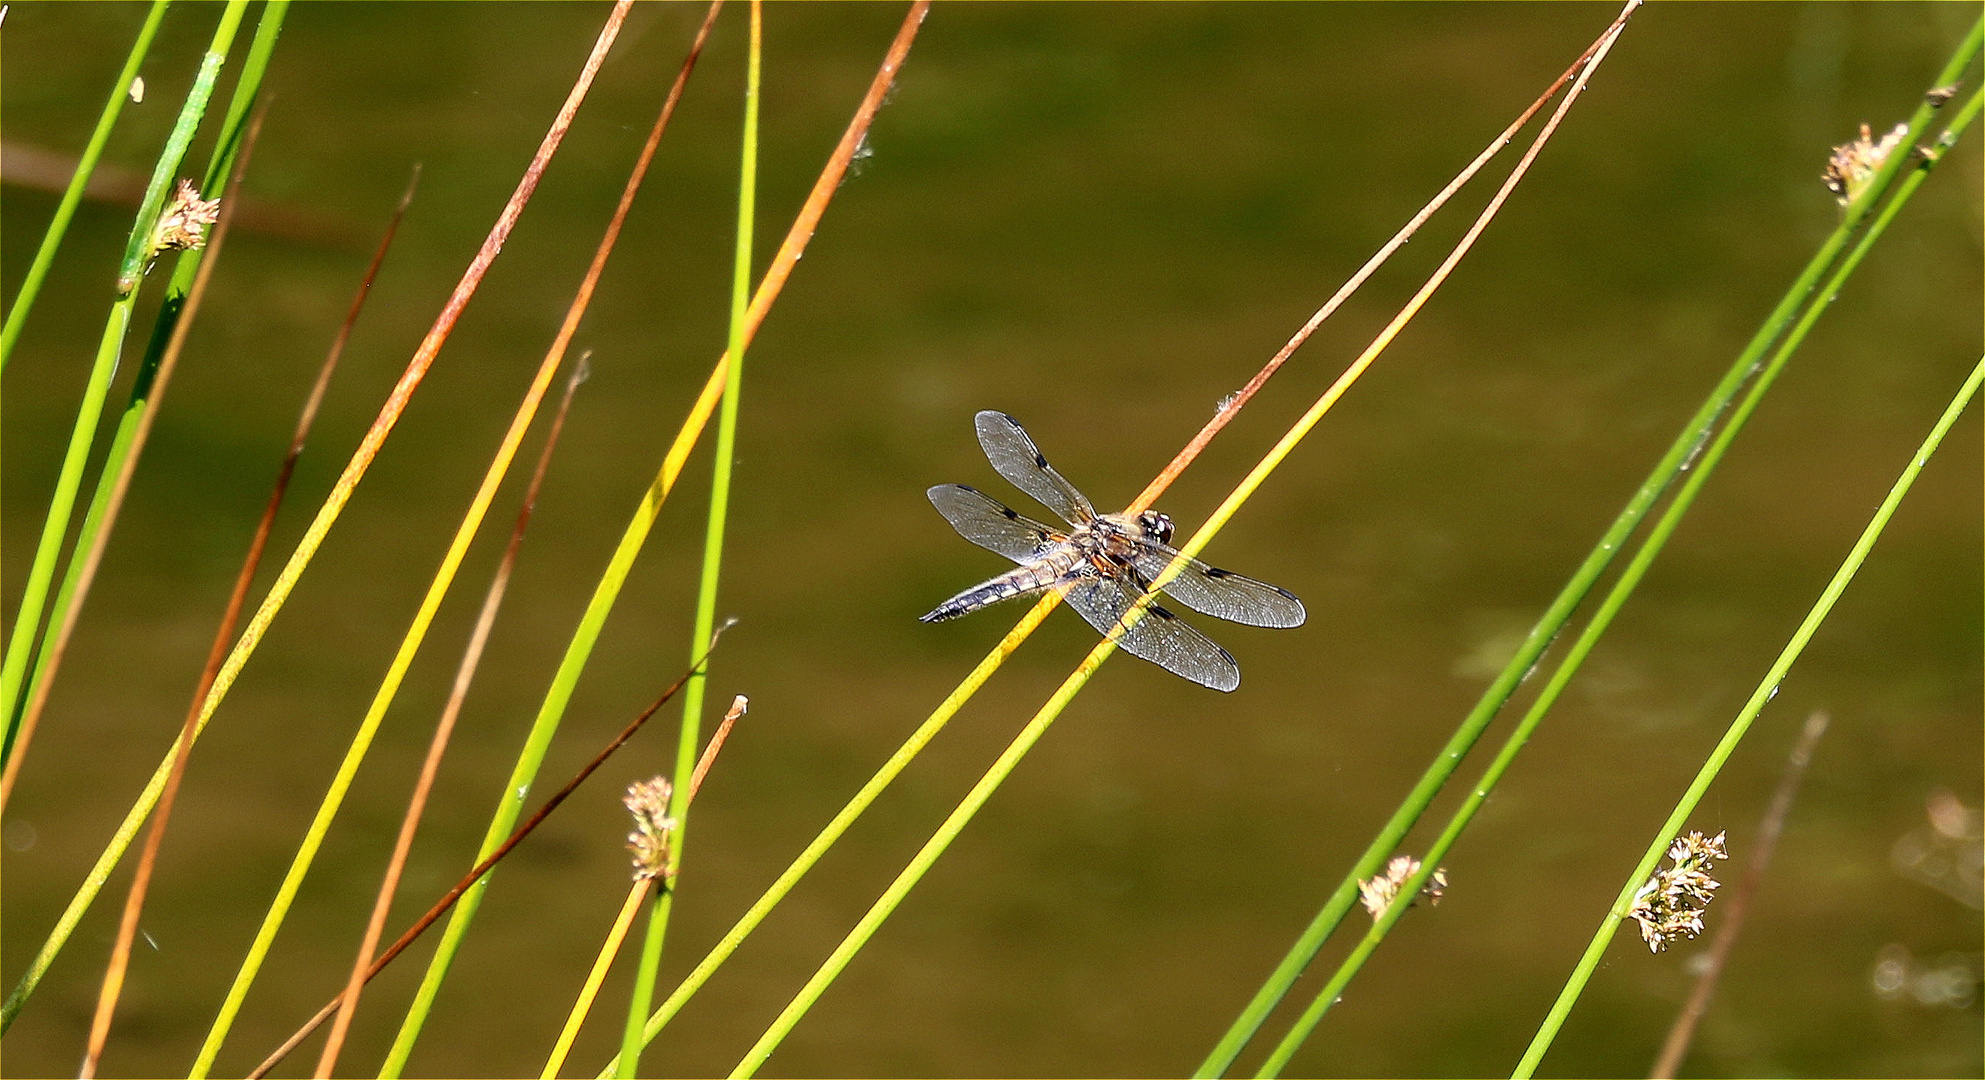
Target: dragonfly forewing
(983, 520)
(1015, 457)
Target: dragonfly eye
(1157, 526)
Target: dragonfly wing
(982, 520)
(1014, 456)
(1218, 592)
(1160, 636)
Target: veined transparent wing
(1014, 456)
(985, 522)
(1220, 593)
(1160, 636)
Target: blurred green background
(1100, 218)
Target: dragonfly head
(1156, 526)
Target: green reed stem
(689, 737)
(101, 513)
(1615, 599)
(842, 821)
(1052, 709)
(306, 549)
(897, 762)
(138, 254)
(783, 261)
(51, 239)
(926, 856)
(1767, 688)
(1693, 437)
(543, 727)
(590, 990)
(128, 437)
(1022, 743)
(375, 714)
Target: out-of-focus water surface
(1101, 219)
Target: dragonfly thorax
(1111, 541)
(1125, 531)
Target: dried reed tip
(1379, 892)
(1847, 171)
(648, 801)
(738, 706)
(183, 225)
(1940, 95)
(1669, 907)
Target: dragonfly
(1102, 564)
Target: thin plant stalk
(483, 867)
(1922, 163)
(134, 901)
(411, 642)
(493, 600)
(942, 715)
(72, 196)
(842, 821)
(133, 429)
(444, 728)
(168, 339)
(546, 724)
(1767, 688)
(313, 537)
(1231, 407)
(495, 594)
(1676, 1045)
(184, 293)
(1702, 468)
(1694, 436)
(923, 860)
(713, 557)
(607, 591)
(1049, 712)
(138, 255)
(635, 895)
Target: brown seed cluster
(1379, 891)
(183, 226)
(1847, 171)
(1669, 907)
(648, 801)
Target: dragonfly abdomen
(1018, 581)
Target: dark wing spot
(1162, 613)
(1010, 515)
(1039, 460)
(1285, 592)
(1216, 572)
